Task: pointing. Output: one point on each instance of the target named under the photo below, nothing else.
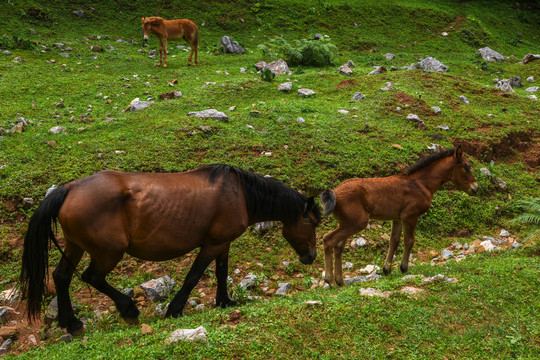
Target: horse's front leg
(408, 235)
(394, 241)
(164, 50)
(222, 269)
(203, 259)
(338, 262)
(328, 245)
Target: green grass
(329, 148)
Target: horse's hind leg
(163, 50)
(204, 258)
(222, 269)
(334, 244)
(95, 276)
(394, 241)
(62, 279)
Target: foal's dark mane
(266, 198)
(422, 163)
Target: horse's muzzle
(308, 258)
(145, 37)
(473, 189)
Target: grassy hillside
(88, 92)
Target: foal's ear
(459, 154)
(142, 19)
(309, 205)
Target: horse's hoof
(387, 270)
(132, 321)
(76, 328)
(403, 269)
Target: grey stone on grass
(158, 289)
(358, 96)
(305, 92)
(283, 288)
(187, 334)
(432, 64)
(210, 113)
(286, 86)
(464, 100)
(489, 54)
(231, 46)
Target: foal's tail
(328, 201)
(35, 260)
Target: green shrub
(267, 75)
(301, 52)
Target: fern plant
(301, 52)
(530, 212)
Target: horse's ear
(142, 19)
(459, 154)
(309, 205)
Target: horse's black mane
(266, 198)
(422, 163)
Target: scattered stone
(136, 104)
(158, 289)
(345, 69)
(436, 110)
(129, 292)
(32, 339)
(369, 269)
(532, 89)
(97, 48)
(317, 36)
(260, 65)
(263, 225)
(499, 183)
(351, 63)
(305, 92)
(515, 245)
(210, 113)
(6, 52)
(374, 292)
(79, 13)
(419, 123)
(490, 55)
(161, 310)
(348, 265)
(66, 338)
(187, 334)
(530, 57)
(389, 56)
(410, 290)
(378, 70)
(533, 97)
(286, 86)
(515, 82)
(170, 95)
(301, 120)
(505, 86)
(444, 33)
(57, 129)
(447, 254)
(283, 289)
(249, 281)
(443, 127)
(358, 96)
(358, 242)
(412, 277)
(313, 302)
(530, 79)
(277, 67)
(464, 100)
(432, 64)
(343, 111)
(438, 278)
(230, 46)
(147, 329)
(388, 86)
(504, 233)
(487, 245)
(355, 279)
(6, 345)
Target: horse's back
(180, 28)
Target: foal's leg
(222, 269)
(163, 48)
(95, 275)
(394, 241)
(408, 235)
(204, 258)
(62, 278)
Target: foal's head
(147, 25)
(301, 234)
(461, 175)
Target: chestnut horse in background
(156, 217)
(401, 198)
(172, 30)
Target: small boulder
(530, 57)
(378, 70)
(210, 113)
(432, 64)
(305, 92)
(345, 69)
(286, 86)
(490, 55)
(231, 46)
(158, 289)
(187, 334)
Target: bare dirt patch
(346, 83)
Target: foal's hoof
(387, 270)
(76, 328)
(403, 269)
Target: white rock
(187, 334)
(369, 269)
(504, 233)
(490, 54)
(57, 129)
(488, 245)
(305, 92)
(210, 113)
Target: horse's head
(461, 175)
(147, 24)
(301, 235)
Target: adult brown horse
(401, 198)
(172, 30)
(156, 217)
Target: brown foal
(402, 198)
(172, 30)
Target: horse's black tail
(35, 260)
(328, 201)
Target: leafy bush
(301, 52)
(267, 75)
(530, 211)
(8, 43)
